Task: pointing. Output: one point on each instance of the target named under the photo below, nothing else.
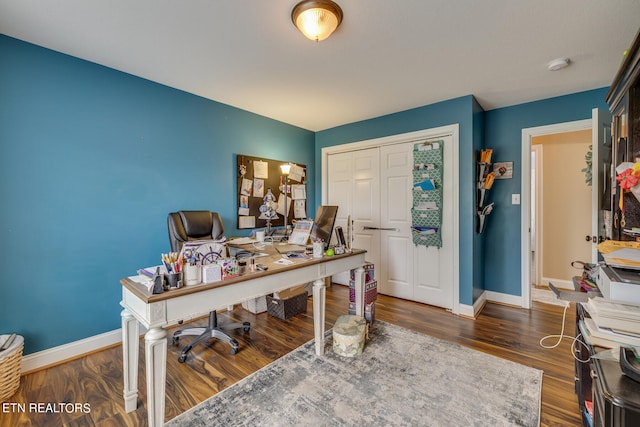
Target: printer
(620, 284)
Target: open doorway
(602, 181)
(560, 209)
(526, 187)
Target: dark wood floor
(96, 379)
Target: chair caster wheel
(182, 358)
(175, 340)
(234, 346)
(246, 326)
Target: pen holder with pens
(174, 280)
(164, 281)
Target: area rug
(403, 378)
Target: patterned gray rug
(403, 378)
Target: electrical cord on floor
(562, 336)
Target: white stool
(349, 335)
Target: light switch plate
(515, 199)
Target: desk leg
(359, 285)
(155, 347)
(319, 302)
(130, 353)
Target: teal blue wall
(456, 111)
(92, 161)
(503, 133)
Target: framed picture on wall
(503, 170)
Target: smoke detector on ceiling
(558, 64)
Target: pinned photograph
(258, 187)
(247, 186)
(298, 191)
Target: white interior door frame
(452, 130)
(538, 213)
(525, 188)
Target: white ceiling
(387, 56)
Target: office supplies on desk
(158, 282)
(211, 273)
(296, 255)
(243, 240)
(192, 274)
(287, 248)
(146, 272)
(340, 236)
(318, 249)
(174, 280)
(300, 234)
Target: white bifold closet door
(373, 187)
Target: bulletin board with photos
(255, 176)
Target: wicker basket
(10, 366)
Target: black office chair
(187, 226)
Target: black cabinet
(624, 102)
(614, 396)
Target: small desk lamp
(285, 169)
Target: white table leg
(155, 345)
(359, 285)
(319, 302)
(130, 353)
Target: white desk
(156, 312)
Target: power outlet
(515, 199)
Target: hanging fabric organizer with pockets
(426, 213)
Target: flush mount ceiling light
(316, 19)
(558, 64)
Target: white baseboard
(558, 283)
(491, 296)
(473, 310)
(504, 298)
(72, 350)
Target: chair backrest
(193, 225)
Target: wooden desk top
(146, 296)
